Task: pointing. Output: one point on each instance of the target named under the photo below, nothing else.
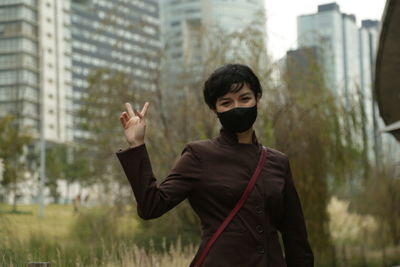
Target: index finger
(145, 108)
(130, 110)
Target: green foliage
(380, 197)
(93, 224)
(13, 142)
(313, 127)
(41, 248)
(180, 223)
(101, 107)
(65, 162)
(121, 247)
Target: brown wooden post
(39, 264)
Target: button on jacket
(213, 174)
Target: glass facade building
(122, 35)
(35, 71)
(348, 53)
(186, 23)
(48, 48)
(19, 63)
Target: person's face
(242, 98)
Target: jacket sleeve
(154, 200)
(298, 252)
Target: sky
(282, 19)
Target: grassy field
(90, 238)
(55, 224)
(95, 237)
(26, 221)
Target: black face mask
(238, 119)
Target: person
(77, 203)
(212, 174)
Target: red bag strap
(239, 204)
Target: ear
(258, 97)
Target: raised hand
(134, 124)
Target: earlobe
(258, 99)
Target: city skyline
(282, 16)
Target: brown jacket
(213, 174)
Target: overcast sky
(282, 14)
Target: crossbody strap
(239, 204)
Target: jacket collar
(230, 138)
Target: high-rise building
(348, 55)
(185, 23)
(35, 67)
(121, 35)
(48, 48)
(337, 36)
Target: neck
(245, 137)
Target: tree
(101, 106)
(65, 162)
(380, 197)
(13, 144)
(308, 125)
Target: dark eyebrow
(245, 94)
(225, 98)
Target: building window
(7, 77)
(175, 23)
(29, 61)
(12, 13)
(9, 45)
(29, 77)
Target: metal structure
(387, 78)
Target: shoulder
(279, 155)
(199, 147)
(278, 158)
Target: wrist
(136, 144)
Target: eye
(224, 103)
(246, 98)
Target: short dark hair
(221, 80)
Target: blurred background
(330, 78)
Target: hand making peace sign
(134, 124)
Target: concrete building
(48, 48)
(186, 23)
(121, 35)
(35, 65)
(348, 54)
(338, 37)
